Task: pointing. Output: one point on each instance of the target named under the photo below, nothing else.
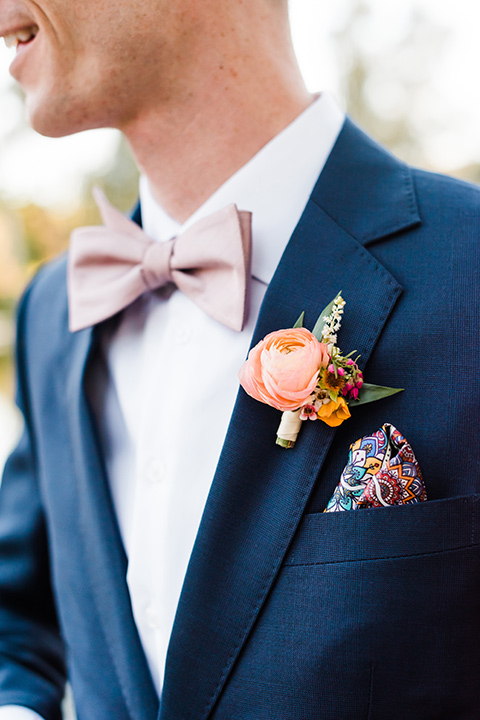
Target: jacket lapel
(102, 544)
(260, 490)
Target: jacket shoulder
(43, 308)
(446, 193)
(49, 284)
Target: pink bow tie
(110, 267)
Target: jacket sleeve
(32, 671)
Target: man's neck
(233, 105)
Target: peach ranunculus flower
(334, 412)
(282, 370)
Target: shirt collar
(274, 185)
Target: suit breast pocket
(380, 533)
(374, 614)
(386, 602)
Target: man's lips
(20, 37)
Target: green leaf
(318, 327)
(284, 443)
(370, 393)
(299, 323)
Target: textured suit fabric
(286, 613)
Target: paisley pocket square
(381, 470)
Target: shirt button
(155, 471)
(182, 334)
(152, 618)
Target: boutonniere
(305, 375)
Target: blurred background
(405, 70)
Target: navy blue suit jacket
(286, 613)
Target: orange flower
(282, 370)
(334, 412)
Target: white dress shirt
(171, 378)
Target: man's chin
(53, 119)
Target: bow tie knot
(156, 269)
(110, 267)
